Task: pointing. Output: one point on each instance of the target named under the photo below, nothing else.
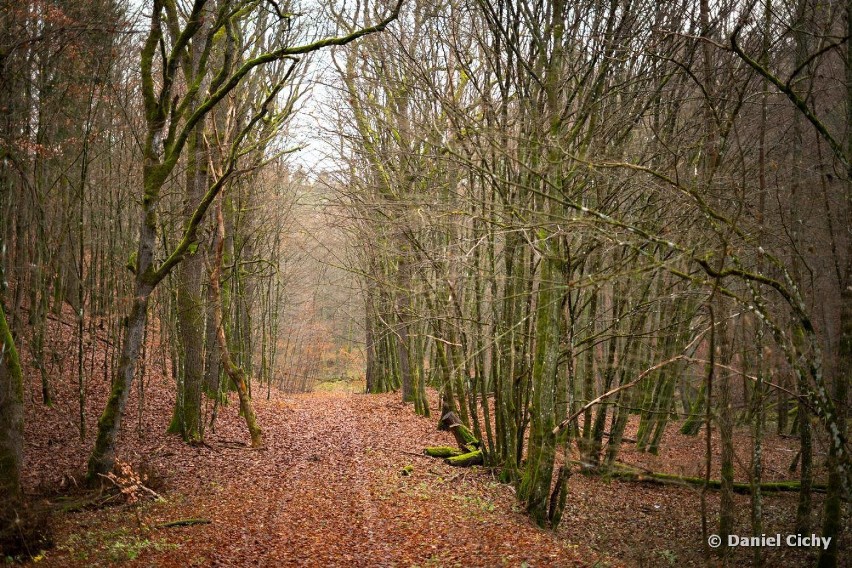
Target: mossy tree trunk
(11, 418)
(187, 419)
(534, 489)
(506, 408)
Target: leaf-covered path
(327, 490)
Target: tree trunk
(109, 424)
(403, 342)
(833, 516)
(803, 512)
(370, 346)
(726, 437)
(236, 374)
(535, 483)
(190, 305)
(102, 458)
(11, 418)
(212, 360)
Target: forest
(425, 282)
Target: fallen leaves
(328, 490)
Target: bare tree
(169, 124)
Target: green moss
(114, 546)
(466, 460)
(442, 451)
(469, 439)
(174, 425)
(10, 355)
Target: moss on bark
(466, 460)
(103, 454)
(442, 451)
(11, 416)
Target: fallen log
(466, 460)
(442, 452)
(184, 523)
(628, 474)
(468, 453)
(88, 501)
(464, 437)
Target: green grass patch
(113, 546)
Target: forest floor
(328, 489)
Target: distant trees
(53, 62)
(171, 119)
(58, 89)
(57, 63)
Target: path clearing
(327, 491)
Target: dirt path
(327, 491)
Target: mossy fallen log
(466, 460)
(442, 451)
(74, 504)
(671, 479)
(468, 452)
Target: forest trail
(634, 210)
(327, 490)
